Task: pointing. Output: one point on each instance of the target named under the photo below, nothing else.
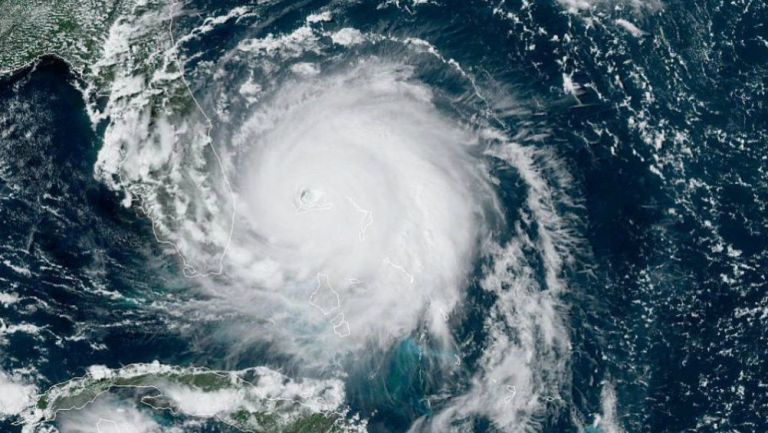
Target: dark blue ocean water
(666, 141)
(64, 235)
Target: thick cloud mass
(360, 204)
(328, 202)
(108, 415)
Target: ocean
(391, 216)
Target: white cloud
(14, 395)
(107, 415)
(347, 36)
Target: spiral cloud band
(357, 194)
(331, 203)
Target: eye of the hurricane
(309, 199)
(357, 193)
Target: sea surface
(606, 233)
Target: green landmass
(146, 384)
(71, 29)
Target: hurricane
(334, 191)
(381, 216)
(358, 209)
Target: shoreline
(41, 60)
